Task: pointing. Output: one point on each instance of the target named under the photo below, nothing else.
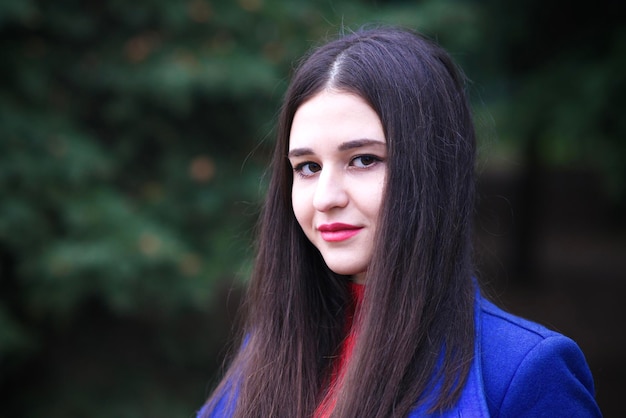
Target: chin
(343, 271)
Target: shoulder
(512, 335)
(530, 370)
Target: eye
(307, 169)
(364, 161)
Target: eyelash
(374, 159)
(299, 168)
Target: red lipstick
(338, 232)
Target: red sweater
(326, 407)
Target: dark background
(133, 143)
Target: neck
(358, 278)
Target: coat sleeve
(553, 379)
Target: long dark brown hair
(415, 329)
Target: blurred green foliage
(133, 142)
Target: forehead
(332, 116)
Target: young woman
(362, 301)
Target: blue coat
(520, 369)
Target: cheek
(372, 196)
(374, 207)
(300, 208)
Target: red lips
(336, 232)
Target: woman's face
(338, 151)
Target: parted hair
(415, 329)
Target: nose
(330, 191)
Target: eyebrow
(345, 146)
